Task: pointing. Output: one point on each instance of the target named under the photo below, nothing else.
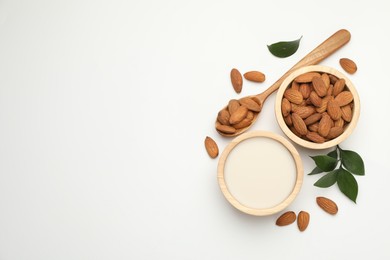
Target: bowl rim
(263, 211)
(304, 143)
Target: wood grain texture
(262, 211)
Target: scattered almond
(286, 218)
(211, 147)
(348, 65)
(327, 205)
(236, 79)
(303, 220)
(255, 76)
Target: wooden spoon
(329, 46)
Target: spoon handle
(326, 48)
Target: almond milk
(260, 172)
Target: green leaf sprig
(284, 49)
(349, 164)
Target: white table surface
(104, 106)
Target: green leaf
(352, 162)
(284, 49)
(333, 154)
(347, 184)
(327, 180)
(316, 170)
(325, 162)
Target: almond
(338, 87)
(294, 107)
(313, 119)
(307, 77)
(243, 123)
(319, 86)
(294, 96)
(335, 132)
(329, 92)
(211, 147)
(333, 79)
(239, 115)
(344, 98)
(236, 79)
(299, 124)
(303, 220)
(315, 99)
(295, 85)
(324, 104)
(223, 117)
(346, 113)
(314, 127)
(348, 65)
(255, 76)
(233, 105)
(294, 131)
(250, 104)
(315, 137)
(250, 115)
(286, 107)
(325, 78)
(333, 109)
(286, 218)
(327, 205)
(225, 129)
(305, 111)
(324, 125)
(305, 90)
(288, 120)
(339, 122)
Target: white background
(104, 107)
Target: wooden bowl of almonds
(317, 107)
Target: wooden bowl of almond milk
(260, 173)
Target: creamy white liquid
(260, 172)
